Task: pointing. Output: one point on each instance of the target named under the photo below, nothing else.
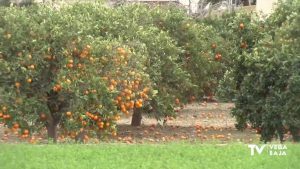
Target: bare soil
(204, 122)
(197, 122)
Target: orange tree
(199, 46)
(202, 53)
(53, 76)
(266, 75)
(168, 78)
(240, 31)
(272, 102)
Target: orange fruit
(26, 132)
(31, 67)
(29, 80)
(57, 88)
(218, 57)
(242, 26)
(70, 65)
(138, 104)
(146, 90)
(100, 125)
(119, 98)
(16, 126)
(123, 110)
(17, 84)
(177, 101)
(88, 113)
(6, 116)
(43, 116)
(114, 133)
(84, 123)
(128, 105)
(128, 97)
(213, 46)
(111, 87)
(132, 104)
(4, 108)
(69, 114)
(86, 92)
(79, 65)
(95, 118)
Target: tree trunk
(56, 105)
(52, 131)
(136, 117)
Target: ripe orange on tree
(57, 88)
(43, 116)
(26, 132)
(242, 26)
(177, 101)
(69, 114)
(17, 84)
(213, 46)
(16, 126)
(218, 57)
(84, 123)
(29, 80)
(6, 116)
(114, 133)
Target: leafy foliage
(266, 75)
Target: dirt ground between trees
(197, 122)
(204, 122)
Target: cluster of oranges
(96, 118)
(218, 56)
(122, 52)
(57, 88)
(130, 98)
(25, 133)
(131, 93)
(85, 52)
(3, 114)
(80, 55)
(15, 126)
(71, 65)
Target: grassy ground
(156, 156)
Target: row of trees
(81, 67)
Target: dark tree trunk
(136, 117)
(52, 131)
(51, 126)
(56, 106)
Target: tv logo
(258, 149)
(272, 149)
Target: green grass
(156, 156)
